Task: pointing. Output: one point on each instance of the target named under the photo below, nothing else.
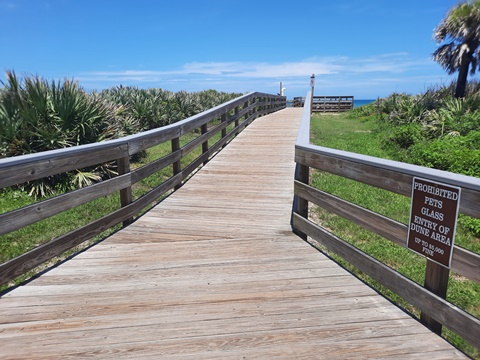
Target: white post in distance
(312, 86)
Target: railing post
(245, 106)
(302, 172)
(300, 205)
(247, 114)
(223, 118)
(253, 110)
(177, 165)
(237, 121)
(204, 129)
(126, 197)
(436, 281)
(312, 86)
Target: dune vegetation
(433, 129)
(38, 115)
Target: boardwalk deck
(213, 272)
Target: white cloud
(336, 72)
(261, 70)
(393, 63)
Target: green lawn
(346, 133)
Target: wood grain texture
(41, 164)
(213, 272)
(434, 306)
(464, 262)
(25, 216)
(390, 175)
(21, 169)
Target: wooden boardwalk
(213, 272)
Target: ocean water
(357, 103)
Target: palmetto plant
(148, 107)
(404, 109)
(459, 36)
(36, 116)
(411, 120)
(156, 107)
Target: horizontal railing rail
(395, 177)
(224, 121)
(327, 103)
(298, 101)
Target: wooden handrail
(396, 177)
(238, 113)
(327, 103)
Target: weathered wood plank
(25, 216)
(381, 225)
(35, 257)
(464, 262)
(437, 308)
(154, 166)
(21, 169)
(147, 139)
(393, 176)
(38, 165)
(213, 272)
(126, 193)
(386, 174)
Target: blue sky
(366, 48)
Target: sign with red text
(433, 218)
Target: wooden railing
(298, 101)
(327, 103)
(227, 120)
(395, 177)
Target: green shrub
(433, 129)
(404, 136)
(470, 224)
(459, 154)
